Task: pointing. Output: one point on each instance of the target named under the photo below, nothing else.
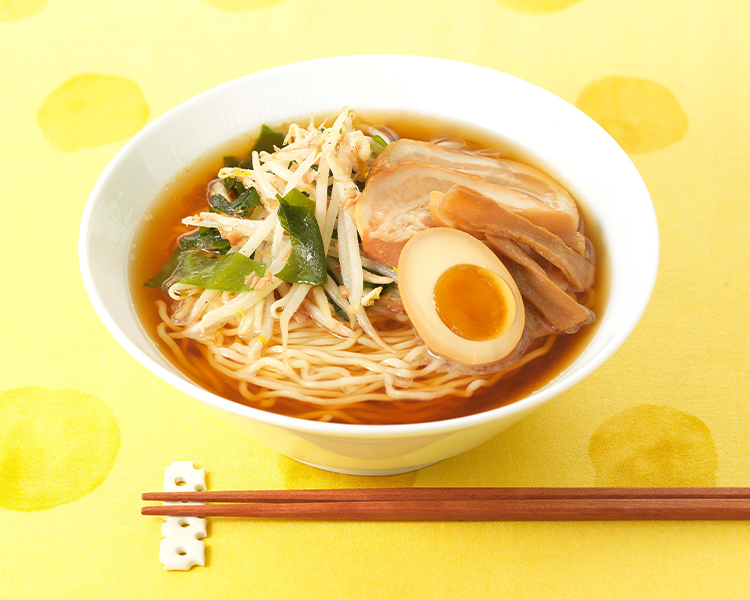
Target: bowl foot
(366, 472)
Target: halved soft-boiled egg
(460, 298)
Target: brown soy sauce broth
(161, 226)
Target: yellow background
(84, 429)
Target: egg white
(423, 260)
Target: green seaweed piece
(238, 207)
(207, 239)
(267, 139)
(307, 263)
(165, 273)
(226, 273)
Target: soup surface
(161, 229)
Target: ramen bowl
(561, 139)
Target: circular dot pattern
(538, 6)
(91, 110)
(12, 10)
(237, 5)
(55, 446)
(641, 115)
(650, 445)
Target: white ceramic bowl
(571, 147)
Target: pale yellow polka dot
(12, 10)
(237, 5)
(538, 6)
(298, 476)
(91, 110)
(650, 445)
(641, 115)
(55, 446)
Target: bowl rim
(348, 430)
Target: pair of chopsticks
(464, 504)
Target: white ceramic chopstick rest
(182, 546)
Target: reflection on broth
(265, 296)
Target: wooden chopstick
(426, 494)
(466, 504)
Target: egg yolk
(473, 302)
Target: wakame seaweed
(178, 265)
(232, 184)
(207, 239)
(307, 263)
(229, 183)
(225, 272)
(238, 207)
(267, 139)
(166, 271)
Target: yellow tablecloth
(84, 429)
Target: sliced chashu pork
(507, 173)
(464, 208)
(395, 205)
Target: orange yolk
(471, 301)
